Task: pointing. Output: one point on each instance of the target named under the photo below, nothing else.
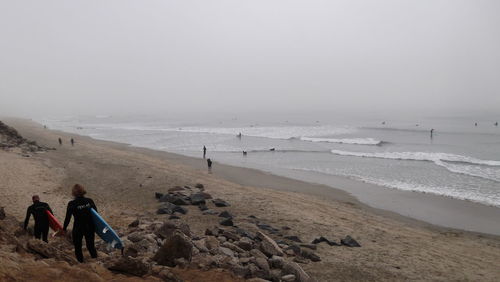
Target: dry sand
(122, 180)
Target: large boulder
(198, 199)
(268, 246)
(220, 203)
(175, 247)
(129, 265)
(349, 242)
(48, 251)
(168, 229)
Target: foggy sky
(129, 57)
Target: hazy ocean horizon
(460, 161)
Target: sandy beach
(122, 180)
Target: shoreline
(428, 210)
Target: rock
(131, 251)
(134, 223)
(226, 251)
(225, 214)
(166, 208)
(220, 203)
(167, 275)
(129, 265)
(211, 243)
(203, 207)
(288, 278)
(310, 255)
(300, 259)
(197, 199)
(309, 246)
(268, 246)
(180, 210)
(173, 217)
(349, 242)
(257, 254)
(201, 245)
(245, 243)
(230, 235)
(174, 199)
(226, 222)
(222, 239)
(209, 212)
(169, 227)
(48, 251)
(175, 189)
(323, 239)
(176, 246)
(135, 237)
(293, 238)
(2, 213)
(277, 262)
(158, 195)
(293, 250)
(262, 264)
(199, 186)
(214, 231)
(297, 271)
(233, 247)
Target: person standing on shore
(83, 225)
(432, 132)
(204, 151)
(60, 141)
(72, 142)
(209, 164)
(39, 212)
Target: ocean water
(460, 160)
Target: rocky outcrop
(10, 138)
(175, 247)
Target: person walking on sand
(72, 142)
(39, 212)
(432, 132)
(204, 151)
(83, 225)
(209, 164)
(60, 141)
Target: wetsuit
(83, 226)
(41, 219)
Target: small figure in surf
(72, 142)
(209, 164)
(244, 153)
(475, 124)
(496, 123)
(83, 225)
(383, 123)
(239, 135)
(272, 149)
(204, 151)
(60, 141)
(432, 132)
(39, 212)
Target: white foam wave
(353, 141)
(453, 163)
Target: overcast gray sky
(106, 57)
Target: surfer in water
(209, 164)
(60, 141)
(38, 210)
(204, 151)
(83, 225)
(72, 142)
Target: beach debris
(268, 246)
(220, 203)
(349, 242)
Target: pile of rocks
(10, 138)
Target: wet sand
(123, 180)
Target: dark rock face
(134, 223)
(158, 195)
(349, 242)
(169, 228)
(175, 247)
(2, 213)
(225, 214)
(227, 222)
(220, 203)
(166, 208)
(129, 265)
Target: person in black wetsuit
(38, 210)
(204, 151)
(83, 226)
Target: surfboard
(103, 230)
(54, 223)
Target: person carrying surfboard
(39, 212)
(83, 225)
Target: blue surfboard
(105, 231)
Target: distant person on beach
(239, 135)
(244, 153)
(83, 225)
(432, 132)
(209, 164)
(204, 151)
(60, 141)
(72, 142)
(475, 124)
(272, 149)
(496, 123)
(38, 210)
